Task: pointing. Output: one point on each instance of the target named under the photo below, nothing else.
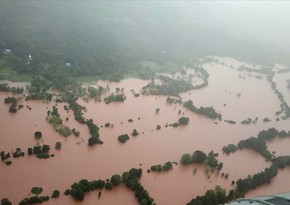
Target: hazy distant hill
(103, 37)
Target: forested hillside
(112, 39)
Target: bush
(94, 140)
(55, 194)
(36, 190)
(58, 145)
(183, 120)
(64, 131)
(5, 201)
(123, 138)
(37, 135)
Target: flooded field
(237, 95)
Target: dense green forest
(110, 40)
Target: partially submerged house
(7, 51)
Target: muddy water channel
(234, 94)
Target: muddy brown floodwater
(76, 160)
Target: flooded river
(76, 160)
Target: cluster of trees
(171, 100)
(200, 157)
(64, 131)
(231, 148)
(135, 133)
(119, 97)
(281, 162)
(4, 156)
(5, 201)
(158, 168)
(13, 102)
(36, 190)
(37, 135)
(15, 90)
(15, 154)
(258, 144)
(38, 89)
(55, 194)
(183, 120)
(204, 75)
(230, 121)
(41, 152)
(251, 182)
(34, 200)
(123, 138)
(130, 179)
(94, 131)
(58, 145)
(212, 197)
(284, 106)
(9, 100)
(77, 108)
(78, 189)
(249, 121)
(169, 86)
(54, 117)
(207, 111)
(96, 92)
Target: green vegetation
(211, 197)
(13, 108)
(38, 89)
(207, 111)
(183, 120)
(256, 144)
(36, 190)
(34, 200)
(64, 131)
(264, 177)
(41, 152)
(157, 110)
(9, 100)
(231, 148)
(169, 86)
(158, 168)
(186, 159)
(37, 135)
(5, 157)
(283, 106)
(116, 179)
(230, 121)
(15, 90)
(5, 201)
(58, 145)
(199, 157)
(123, 138)
(55, 194)
(135, 133)
(115, 98)
(94, 131)
(130, 179)
(96, 92)
(249, 121)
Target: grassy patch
(7, 73)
